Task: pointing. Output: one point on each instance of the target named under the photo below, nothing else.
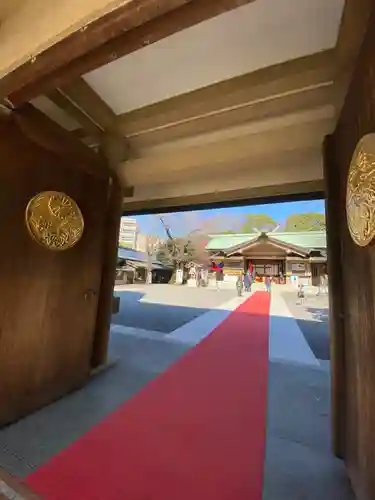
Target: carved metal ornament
(360, 192)
(54, 220)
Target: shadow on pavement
(153, 316)
(318, 314)
(299, 461)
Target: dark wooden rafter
(126, 30)
(354, 20)
(48, 134)
(87, 39)
(97, 119)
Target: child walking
(301, 294)
(267, 282)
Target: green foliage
(311, 221)
(258, 222)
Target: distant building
(133, 266)
(144, 241)
(128, 232)
(280, 255)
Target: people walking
(239, 285)
(267, 282)
(247, 282)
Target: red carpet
(197, 432)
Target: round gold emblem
(54, 220)
(360, 192)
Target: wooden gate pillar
(103, 323)
(334, 218)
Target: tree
(151, 249)
(183, 251)
(258, 223)
(311, 221)
(196, 247)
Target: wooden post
(334, 217)
(103, 323)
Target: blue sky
(150, 224)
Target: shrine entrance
(89, 111)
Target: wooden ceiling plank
(259, 86)
(87, 51)
(256, 178)
(219, 167)
(271, 124)
(305, 82)
(87, 39)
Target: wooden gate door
(48, 299)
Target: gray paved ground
(312, 318)
(165, 308)
(299, 461)
(32, 441)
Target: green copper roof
(308, 240)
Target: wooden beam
(89, 127)
(336, 299)
(213, 199)
(89, 103)
(99, 25)
(250, 112)
(272, 160)
(353, 25)
(111, 147)
(80, 101)
(352, 30)
(48, 134)
(72, 58)
(272, 123)
(277, 81)
(97, 118)
(230, 147)
(304, 83)
(254, 176)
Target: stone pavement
(312, 318)
(299, 463)
(165, 308)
